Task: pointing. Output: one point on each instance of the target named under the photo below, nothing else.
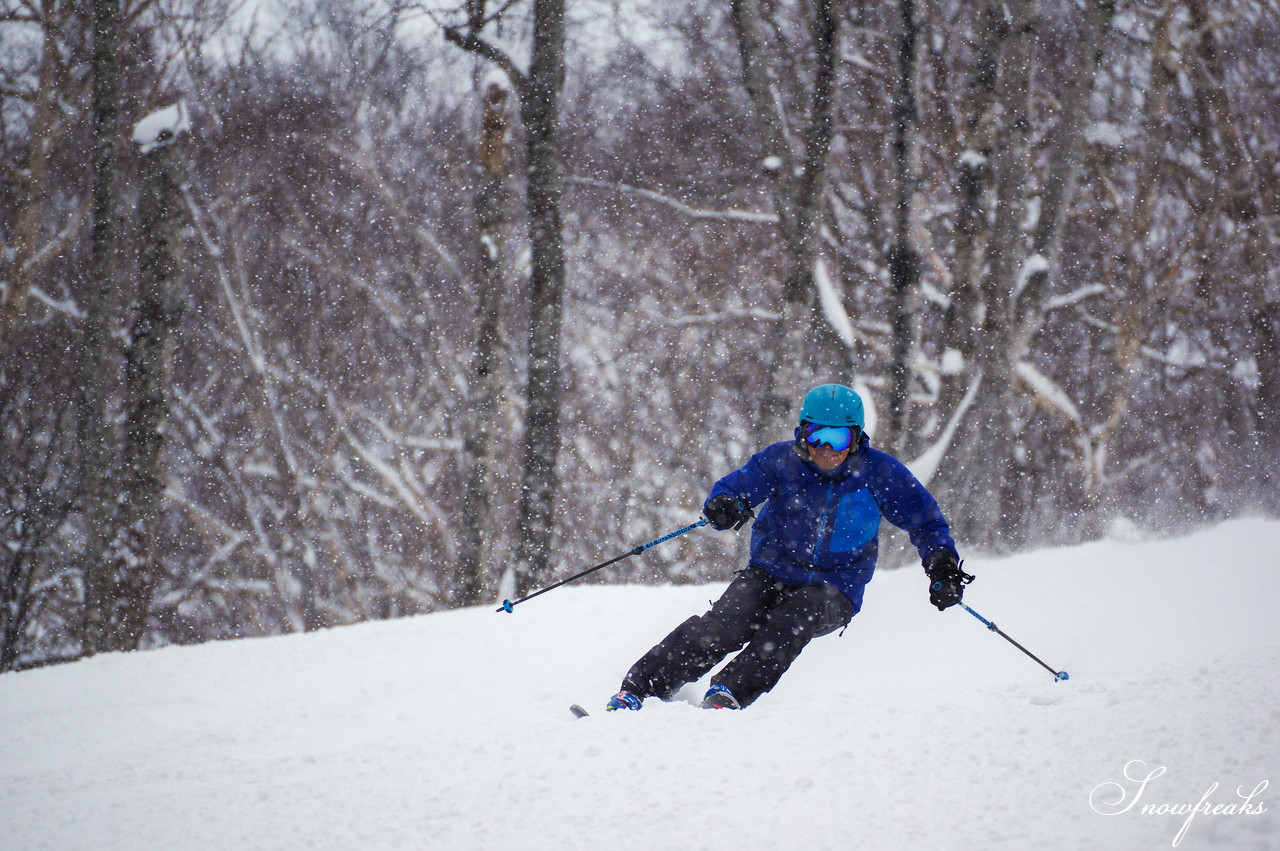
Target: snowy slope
(915, 730)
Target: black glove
(946, 579)
(726, 512)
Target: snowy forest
(321, 311)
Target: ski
(578, 711)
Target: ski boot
(624, 700)
(719, 697)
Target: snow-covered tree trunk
(991, 325)
(149, 365)
(488, 413)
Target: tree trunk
(1132, 290)
(101, 587)
(539, 95)
(1265, 326)
(961, 324)
(540, 113)
(974, 183)
(798, 190)
(17, 266)
(148, 382)
(904, 255)
(1065, 154)
(1238, 196)
(488, 409)
(979, 502)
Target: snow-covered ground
(914, 730)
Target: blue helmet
(832, 405)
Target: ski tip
(1062, 675)
(578, 711)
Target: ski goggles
(839, 438)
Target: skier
(813, 550)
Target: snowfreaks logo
(1114, 798)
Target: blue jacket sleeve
(906, 503)
(755, 481)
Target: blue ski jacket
(819, 527)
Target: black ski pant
(774, 621)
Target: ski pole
(507, 605)
(1057, 675)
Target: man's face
(828, 446)
(827, 458)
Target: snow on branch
(925, 465)
(1034, 264)
(719, 316)
(692, 212)
(54, 246)
(1047, 391)
(67, 306)
(832, 307)
(367, 165)
(406, 492)
(162, 127)
(1075, 297)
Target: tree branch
(692, 212)
(469, 40)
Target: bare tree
(538, 92)
(488, 411)
(313, 426)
